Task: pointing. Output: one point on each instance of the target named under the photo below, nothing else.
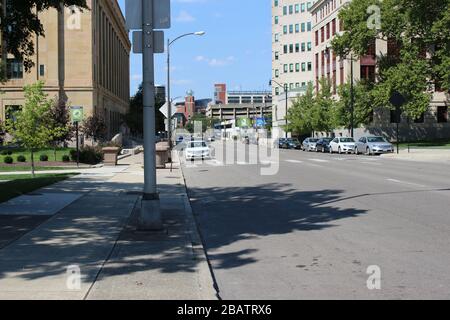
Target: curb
(208, 286)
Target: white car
(197, 150)
(342, 145)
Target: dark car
(281, 143)
(293, 143)
(323, 145)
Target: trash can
(162, 154)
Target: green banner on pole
(76, 114)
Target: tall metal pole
(4, 52)
(286, 111)
(169, 101)
(352, 98)
(150, 216)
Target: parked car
(281, 143)
(293, 143)
(373, 145)
(342, 145)
(310, 144)
(197, 150)
(323, 145)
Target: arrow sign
(165, 110)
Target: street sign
(397, 99)
(76, 114)
(260, 122)
(161, 14)
(165, 110)
(244, 123)
(158, 42)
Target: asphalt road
(312, 230)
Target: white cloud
(216, 62)
(184, 16)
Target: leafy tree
(94, 127)
(134, 118)
(30, 127)
(62, 129)
(22, 23)
(207, 122)
(362, 108)
(322, 113)
(417, 26)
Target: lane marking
(407, 183)
(320, 160)
(294, 161)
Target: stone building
(83, 59)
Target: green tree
(362, 108)
(300, 114)
(30, 127)
(94, 127)
(61, 128)
(207, 122)
(417, 27)
(322, 113)
(134, 117)
(21, 24)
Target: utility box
(162, 154)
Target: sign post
(76, 114)
(397, 100)
(147, 15)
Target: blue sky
(236, 49)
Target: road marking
(372, 163)
(320, 160)
(294, 161)
(407, 183)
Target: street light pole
(169, 102)
(352, 98)
(150, 216)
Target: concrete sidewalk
(96, 235)
(423, 154)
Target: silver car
(373, 145)
(310, 144)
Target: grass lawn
(60, 152)
(28, 168)
(23, 184)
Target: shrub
(21, 158)
(43, 157)
(8, 160)
(73, 155)
(4, 152)
(9, 152)
(66, 158)
(90, 155)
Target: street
(312, 230)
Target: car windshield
(376, 139)
(198, 144)
(347, 140)
(293, 140)
(327, 140)
(313, 140)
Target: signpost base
(150, 218)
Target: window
(285, 68)
(42, 70)
(297, 8)
(322, 34)
(308, 26)
(285, 29)
(284, 10)
(297, 48)
(277, 73)
(291, 9)
(285, 49)
(291, 28)
(297, 28)
(333, 27)
(14, 69)
(303, 66)
(297, 67)
(303, 7)
(317, 38)
(277, 91)
(442, 114)
(309, 66)
(275, 3)
(10, 112)
(277, 55)
(309, 46)
(277, 37)
(303, 47)
(291, 48)
(303, 27)
(291, 67)
(276, 19)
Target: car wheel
(356, 151)
(331, 150)
(367, 151)
(339, 150)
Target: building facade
(83, 60)
(434, 124)
(292, 55)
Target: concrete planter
(162, 154)
(110, 156)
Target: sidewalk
(425, 155)
(96, 233)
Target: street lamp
(285, 86)
(169, 43)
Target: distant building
(190, 106)
(220, 93)
(160, 93)
(236, 111)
